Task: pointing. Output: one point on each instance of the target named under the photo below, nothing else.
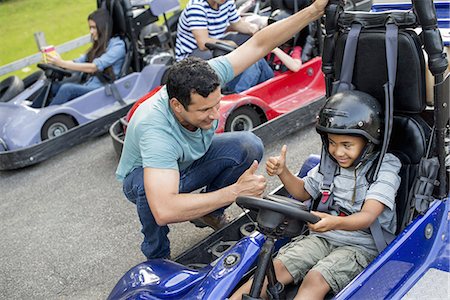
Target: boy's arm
(272, 36)
(294, 185)
(357, 221)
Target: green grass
(60, 20)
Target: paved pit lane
(68, 232)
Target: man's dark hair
(191, 75)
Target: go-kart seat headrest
(370, 69)
(118, 15)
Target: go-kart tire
(10, 87)
(56, 126)
(32, 78)
(243, 119)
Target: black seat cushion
(409, 140)
(370, 70)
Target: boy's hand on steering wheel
(327, 222)
(275, 165)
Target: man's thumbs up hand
(253, 168)
(250, 184)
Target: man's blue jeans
(229, 155)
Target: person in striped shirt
(207, 21)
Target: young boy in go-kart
(339, 246)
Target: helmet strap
(365, 154)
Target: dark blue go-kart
(417, 262)
(29, 135)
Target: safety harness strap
(110, 88)
(348, 62)
(328, 169)
(328, 166)
(391, 58)
(382, 237)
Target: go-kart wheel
(10, 87)
(32, 78)
(56, 125)
(219, 48)
(55, 70)
(243, 119)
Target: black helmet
(351, 113)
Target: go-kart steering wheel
(279, 216)
(219, 48)
(55, 70)
(286, 206)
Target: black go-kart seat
(122, 29)
(410, 132)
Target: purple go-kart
(30, 135)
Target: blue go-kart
(385, 59)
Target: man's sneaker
(215, 222)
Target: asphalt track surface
(67, 231)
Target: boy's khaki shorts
(338, 265)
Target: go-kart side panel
(159, 278)
(424, 244)
(279, 95)
(18, 125)
(21, 125)
(98, 102)
(230, 103)
(131, 87)
(162, 279)
(292, 89)
(23, 157)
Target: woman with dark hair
(106, 55)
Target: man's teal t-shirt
(156, 139)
